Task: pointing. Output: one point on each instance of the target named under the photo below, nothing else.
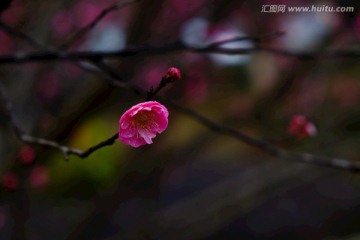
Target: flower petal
(140, 124)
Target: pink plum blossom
(39, 177)
(27, 155)
(142, 122)
(301, 127)
(10, 181)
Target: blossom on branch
(173, 74)
(142, 122)
(27, 155)
(301, 127)
(39, 177)
(10, 181)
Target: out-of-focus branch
(258, 143)
(265, 146)
(4, 5)
(256, 39)
(95, 56)
(23, 136)
(98, 57)
(76, 36)
(31, 41)
(161, 49)
(102, 70)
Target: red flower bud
(173, 74)
(27, 155)
(39, 177)
(301, 127)
(10, 181)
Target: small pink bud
(39, 177)
(142, 122)
(301, 127)
(310, 129)
(173, 74)
(10, 181)
(27, 155)
(296, 122)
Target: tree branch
(337, 163)
(146, 50)
(23, 136)
(98, 57)
(32, 42)
(76, 36)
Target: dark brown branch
(90, 55)
(76, 36)
(23, 136)
(256, 39)
(32, 42)
(96, 56)
(152, 93)
(105, 73)
(4, 5)
(112, 139)
(107, 142)
(336, 163)
(258, 143)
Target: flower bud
(301, 127)
(173, 74)
(27, 155)
(10, 181)
(39, 177)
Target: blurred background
(191, 183)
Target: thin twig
(258, 39)
(31, 41)
(152, 93)
(76, 36)
(49, 143)
(106, 72)
(23, 136)
(107, 142)
(337, 163)
(97, 57)
(151, 50)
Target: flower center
(142, 119)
